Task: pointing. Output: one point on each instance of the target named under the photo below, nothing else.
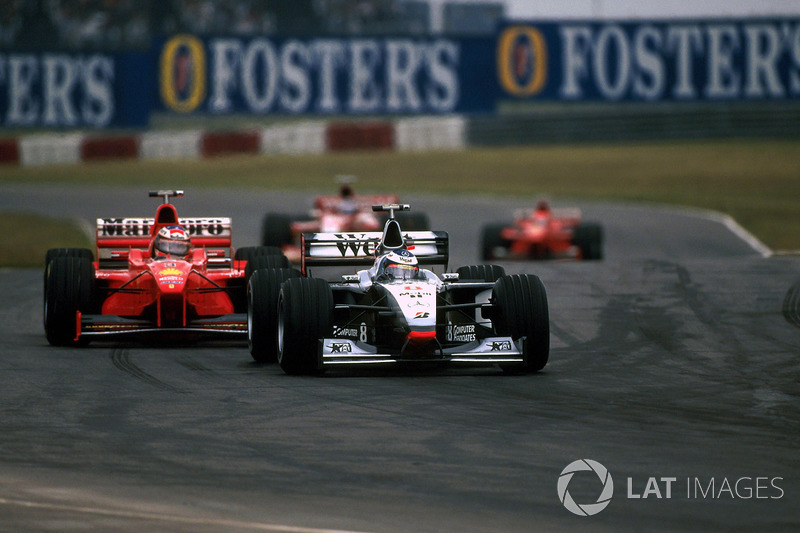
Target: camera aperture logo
(747, 487)
(585, 509)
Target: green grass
(32, 235)
(755, 181)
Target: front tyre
(522, 311)
(305, 315)
(70, 288)
(52, 253)
(589, 239)
(493, 246)
(262, 311)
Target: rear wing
(562, 213)
(357, 249)
(364, 202)
(116, 236)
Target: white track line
(726, 220)
(735, 228)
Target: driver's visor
(179, 248)
(402, 271)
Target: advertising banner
(349, 76)
(680, 60)
(74, 90)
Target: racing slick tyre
(70, 288)
(262, 311)
(490, 273)
(248, 252)
(259, 262)
(276, 230)
(52, 253)
(491, 242)
(589, 239)
(305, 315)
(521, 301)
(413, 221)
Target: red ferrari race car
(543, 233)
(342, 213)
(165, 275)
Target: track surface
(675, 357)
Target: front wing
(488, 351)
(98, 326)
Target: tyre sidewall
(521, 301)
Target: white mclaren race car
(394, 311)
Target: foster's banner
(261, 75)
(73, 90)
(681, 60)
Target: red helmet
(173, 241)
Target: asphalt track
(674, 364)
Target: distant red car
(543, 233)
(165, 274)
(343, 213)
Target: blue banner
(678, 60)
(351, 76)
(72, 90)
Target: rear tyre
(589, 239)
(248, 252)
(259, 262)
(70, 288)
(250, 255)
(276, 230)
(522, 311)
(413, 221)
(490, 273)
(491, 242)
(305, 315)
(262, 311)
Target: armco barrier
(306, 137)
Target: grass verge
(33, 235)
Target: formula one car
(543, 233)
(345, 212)
(393, 311)
(153, 275)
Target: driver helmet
(347, 204)
(543, 206)
(173, 241)
(398, 265)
